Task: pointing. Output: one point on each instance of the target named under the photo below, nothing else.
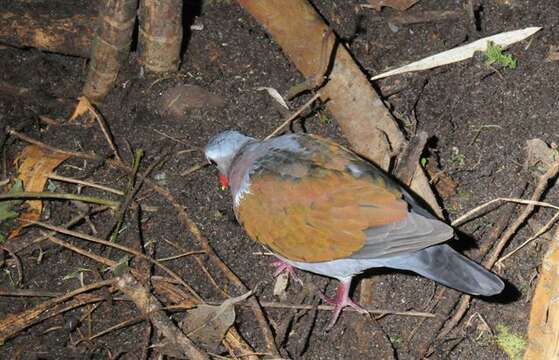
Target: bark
(160, 36)
(42, 28)
(111, 45)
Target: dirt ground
(478, 119)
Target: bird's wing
(322, 202)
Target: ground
(478, 120)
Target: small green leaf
(7, 206)
(121, 266)
(423, 161)
(494, 54)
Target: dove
(319, 207)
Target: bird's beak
(224, 182)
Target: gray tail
(446, 266)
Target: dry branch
(160, 35)
(40, 27)
(111, 45)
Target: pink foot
(340, 301)
(282, 266)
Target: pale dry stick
(540, 232)
(93, 239)
(55, 176)
(169, 137)
(293, 116)
(277, 305)
(478, 209)
(104, 129)
(509, 232)
(189, 253)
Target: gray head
(223, 147)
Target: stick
(293, 116)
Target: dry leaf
(83, 107)
(539, 157)
(395, 4)
(35, 164)
(207, 324)
(446, 187)
(274, 94)
(462, 52)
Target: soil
(478, 118)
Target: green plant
(512, 344)
(494, 55)
(457, 158)
(423, 161)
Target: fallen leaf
(394, 4)
(462, 52)
(35, 164)
(83, 107)
(552, 54)
(274, 94)
(207, 324)
(177, 100)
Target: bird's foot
(340, 301)
(282, 266)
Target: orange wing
(320, 216)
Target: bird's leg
(340, 301)
(282, 266)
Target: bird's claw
(282, 266)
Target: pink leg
(282, 266)
(340, 301)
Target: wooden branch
(160, 35)
(40, 27)
(361, 114)
(110, 48)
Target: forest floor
(478, 120)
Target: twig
(408, 161)
(55, 176)
(21, 244)
(119, 247)
(14, 323)
(293, 116)
(104, 128)
(28, 293)
(89, 156)
(194, 168)
(544, 229)
(59, 196)
(478, 209)
(151, 307)
(278, 305)
(18, 264)
(196, 252)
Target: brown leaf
(35, 164)
(83, 107)
(395, 4)
(207, 324)
(177, 100)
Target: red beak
(223, 181)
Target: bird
(319, 207)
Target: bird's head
(222, 149)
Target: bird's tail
(446, 266)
